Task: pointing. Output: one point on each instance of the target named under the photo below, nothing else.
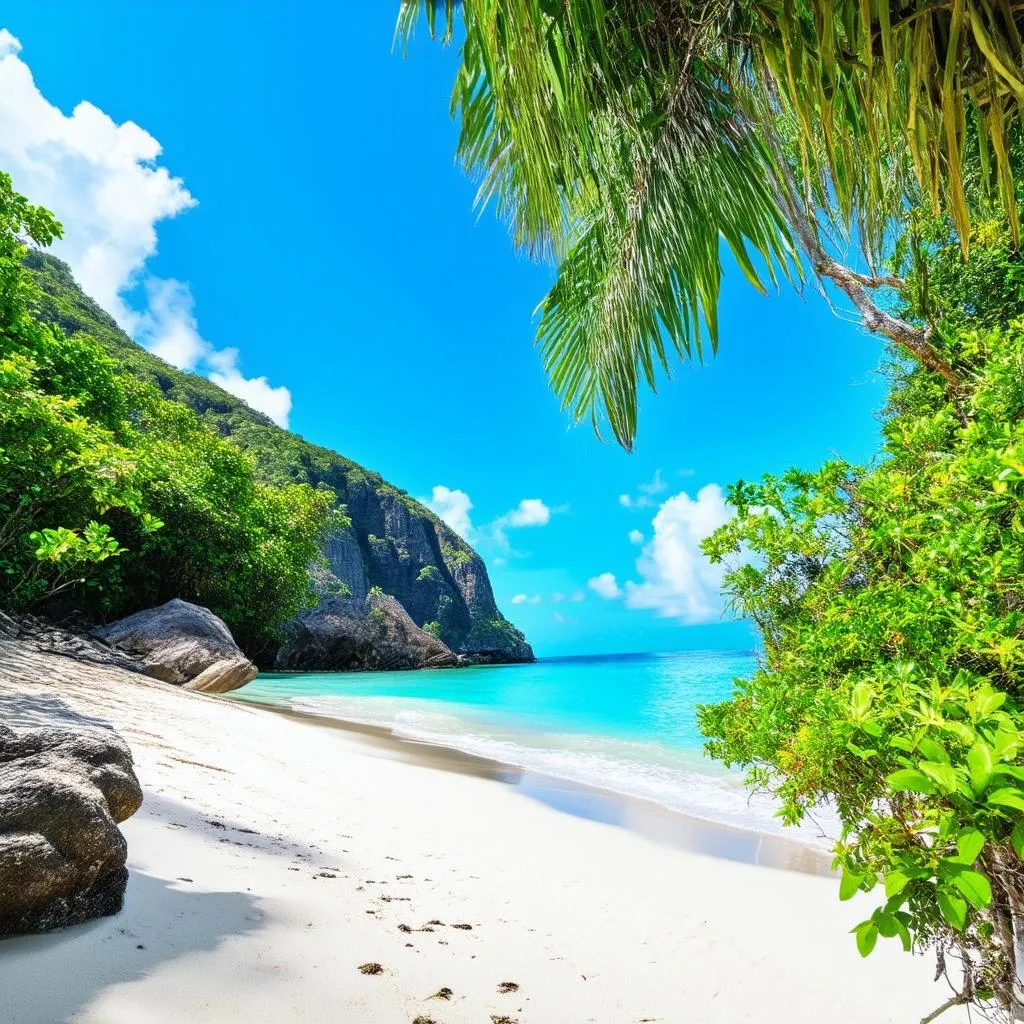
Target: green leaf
(975, 886)
(904, 934)
(888, 926)
(964, 733)
(953, 908)
(933, 750)
(987, 700)
(867, 936)
(1008, 796)
(1005, 744)
(969, 844)
(864, 753)
(895, 882)
(861, 700)
(1017, 839)
(943, 774)
(849, 884)
(909, 780)
(980, 763)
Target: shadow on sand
(28, 711)
(46, 979)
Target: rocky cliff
(393, 543)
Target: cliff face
(394, 543)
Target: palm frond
(627, 141)
(619, 153)
(876, 80)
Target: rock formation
(48, 639)
(181, 643)
(374, 632)
(394, 542)
(62, 856)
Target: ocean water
(623, 723)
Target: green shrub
(890, 604)
(112, 498)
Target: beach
(275, 857)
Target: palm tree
(625, 140)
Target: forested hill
(394, 543)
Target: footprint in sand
(371, 968)
(508, 986)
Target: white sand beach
(273, 857)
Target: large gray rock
(48, 639)
(184, 644)
(62, 856)
(345, 633)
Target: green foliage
(617, 152)
(985, 291)
(888, 600)
(628, 142)
(456, 554)
(493, 634)
(113, 499)
(433, 628)
(280, 457)
(430, 574)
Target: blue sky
(311, 229)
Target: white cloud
(636, 537)
(453, 506)
(578, 595)
(529, 512)
(520, 599)
(102, 181)
(625, 501)
(258, 392)
(678, 581)
(558, 597)
(605, 585)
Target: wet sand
(649, 819)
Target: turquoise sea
(624, 723)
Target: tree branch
(911, 338)
(915, 340)
(957, 1000)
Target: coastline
(273, 857)
(589, 801)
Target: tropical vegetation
(113, 499)
(628, 141)
(630, 144)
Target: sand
(274, 857)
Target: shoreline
(275, 860)
(644, 816)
